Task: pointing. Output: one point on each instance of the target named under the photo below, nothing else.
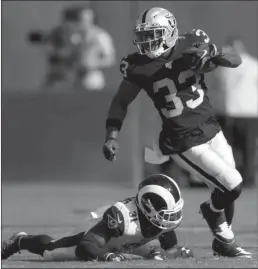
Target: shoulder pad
(114, 220)
(129, 210)
(127, 64)
(199, 35)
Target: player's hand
(110, 149)
(179, 252)
(157, 254)
(186, 253)
(198, 55)
(112, 257)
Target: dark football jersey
(178, 93)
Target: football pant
(213, 162)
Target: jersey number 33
(172, 96)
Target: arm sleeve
(125, 95)
(129, 88)
(227, 58)
(168, 240)
(93, 245)
(200, 36)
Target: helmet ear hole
(153, 201)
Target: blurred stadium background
(52, 138)
(57, 135)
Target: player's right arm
(93, 246)
(168, 242)
(126, 93)
(227, 57)
(220, 56)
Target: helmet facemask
(154, 39)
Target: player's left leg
(204, 162)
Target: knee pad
(230, 178)
(235, 193)
(221, 200)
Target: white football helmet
(155, 32)
(159, 199)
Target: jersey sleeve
(168, 240)
(128, 69)
(114, 221)
(200, 36)
(93, 245)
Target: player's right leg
(35, 244)
(43, 245)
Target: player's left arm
(93, 246)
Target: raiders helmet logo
(112, 223)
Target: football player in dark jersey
(153, 214)
(170, 68)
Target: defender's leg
(43, 245)
(35, 244)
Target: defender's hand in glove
(110, 149)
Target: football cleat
(217, 224)
(229, 250)
(12, 245)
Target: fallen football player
(126, 227)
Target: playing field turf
(57, 209)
